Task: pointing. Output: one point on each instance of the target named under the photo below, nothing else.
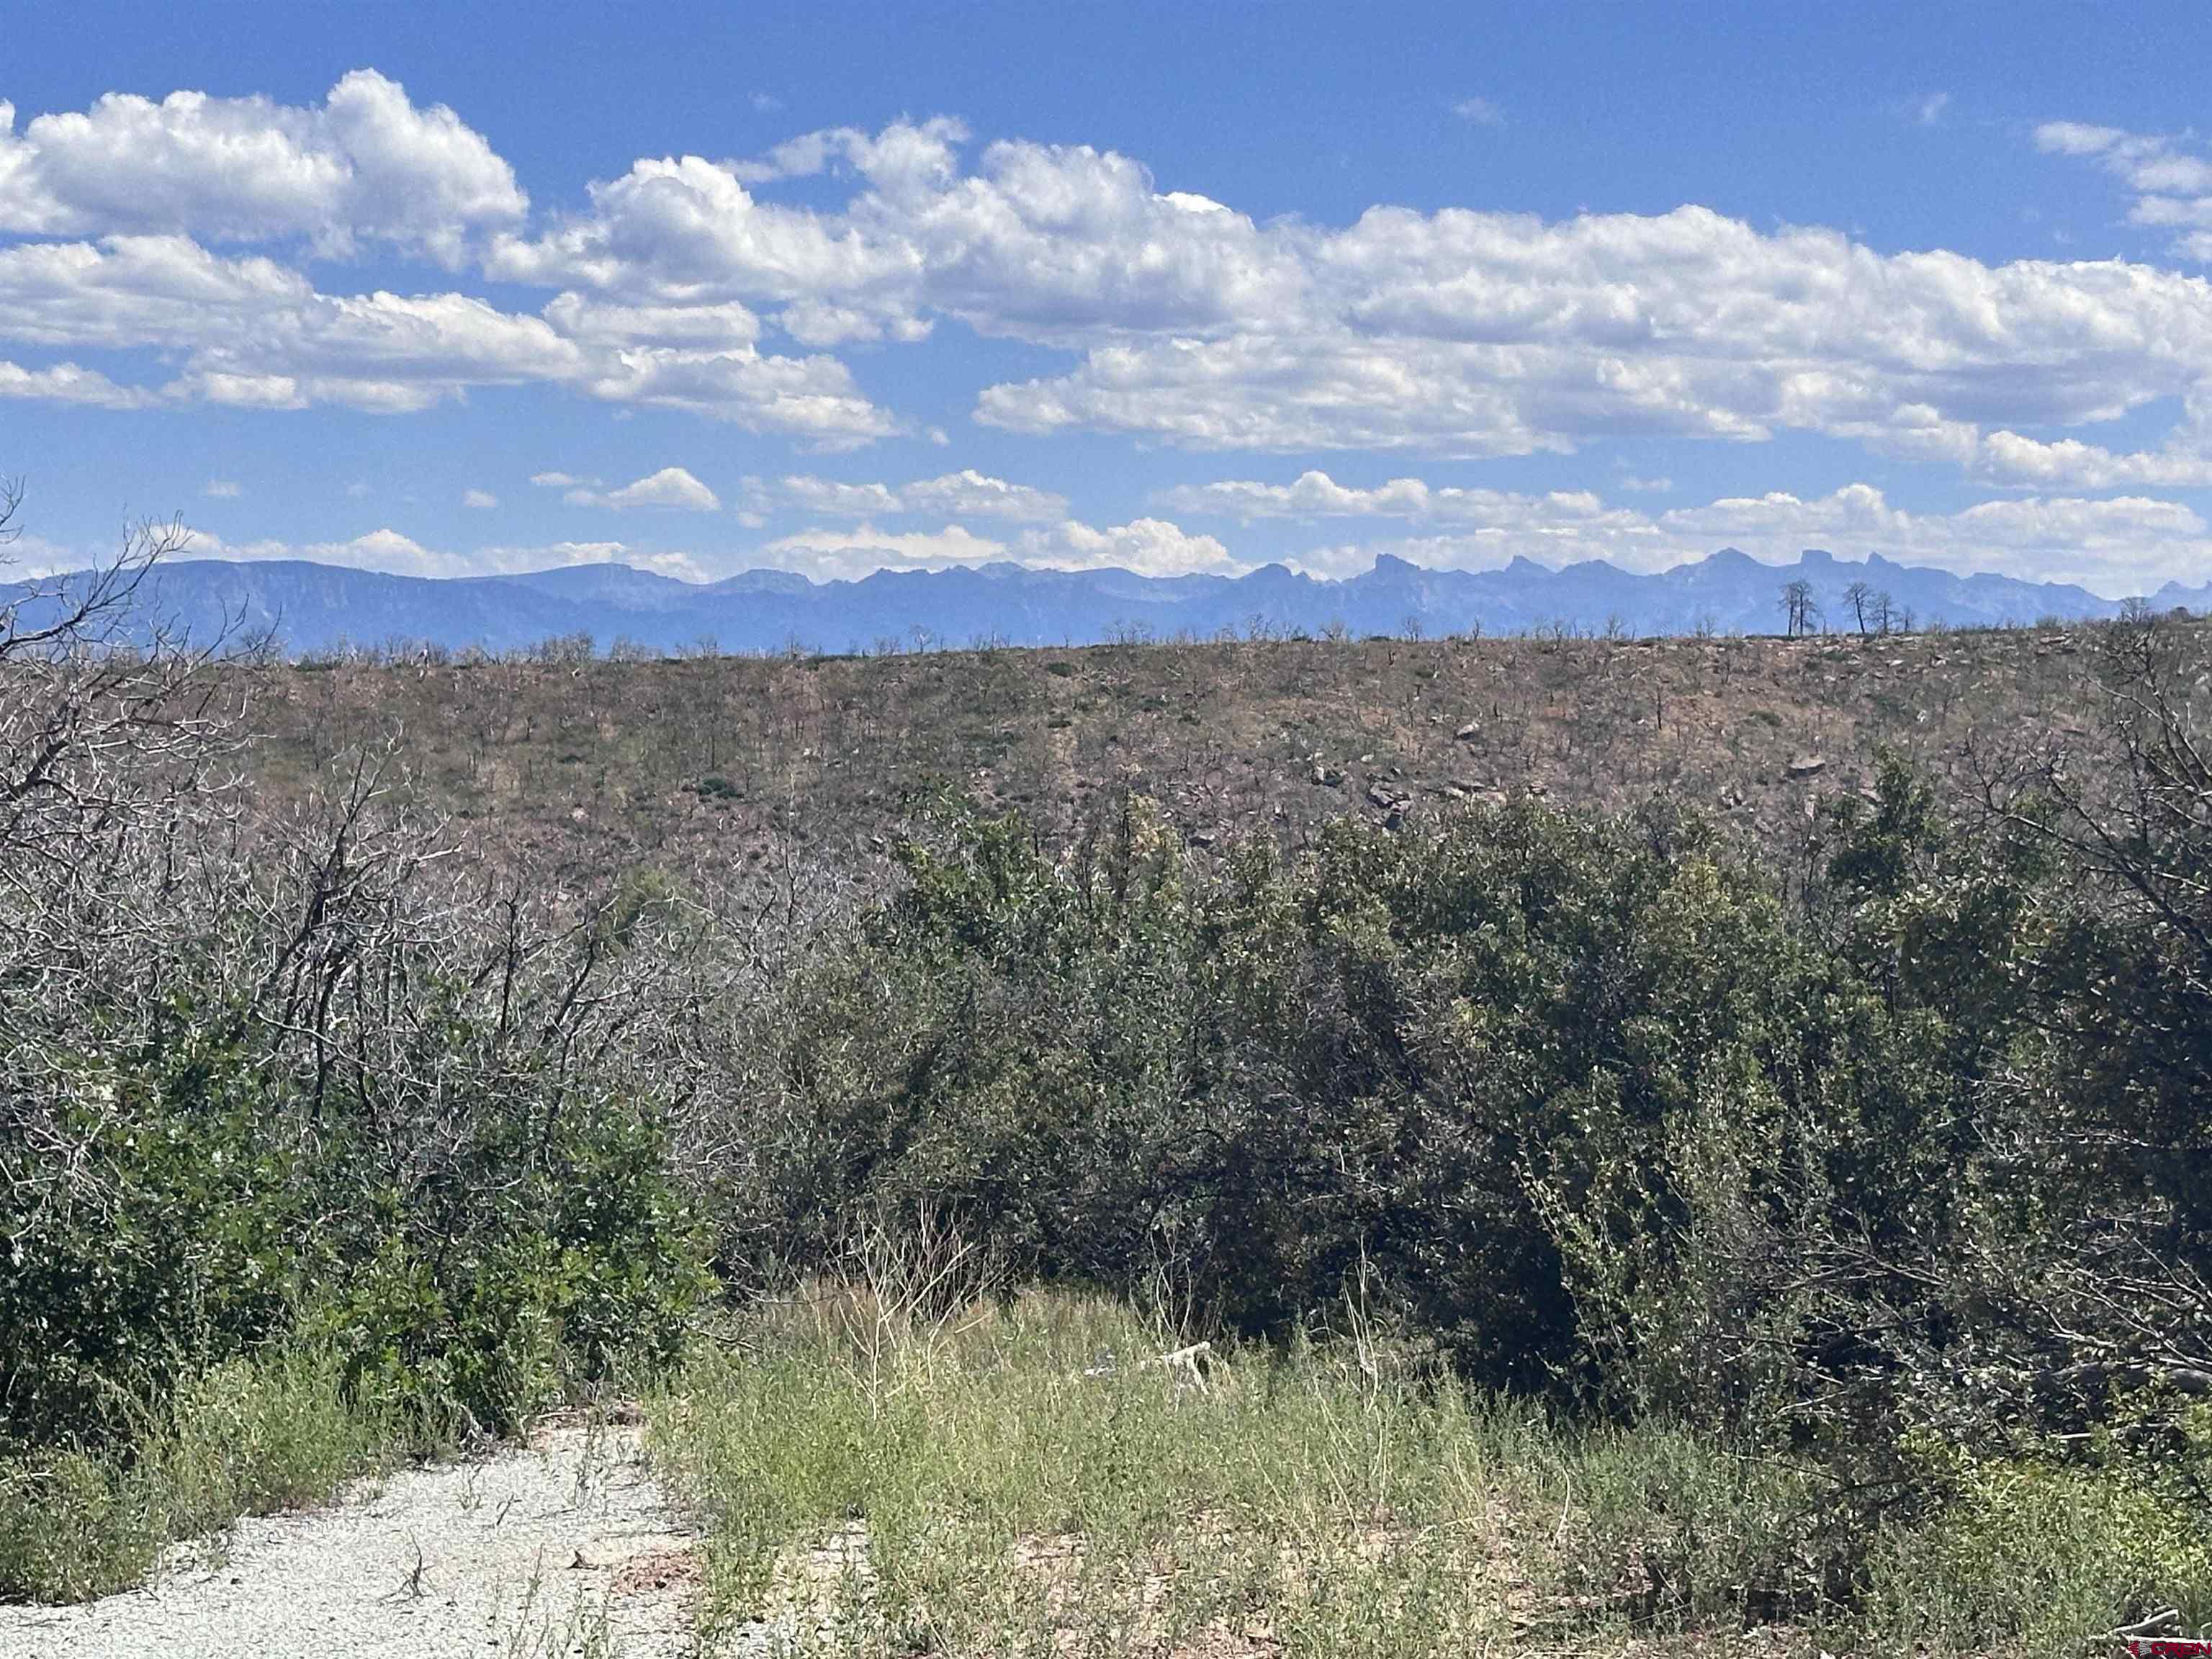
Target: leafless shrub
(374, 972)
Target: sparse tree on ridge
(1800, 609)
(1860, 595)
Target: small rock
(1472, 729)
(1807, 766)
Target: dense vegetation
(1901, 1180)
(1876, 1160)
(306, 1127)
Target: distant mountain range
(313, 608)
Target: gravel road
(561, 1546)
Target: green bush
(1585, 1107)
(1418, 1054)
(181, 1239)
(517, 1275)
(536, 1253)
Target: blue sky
(835, 287)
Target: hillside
(607, 763)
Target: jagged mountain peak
(313, 607)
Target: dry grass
(605, 764)
(887, 1475)
(1003, 1480)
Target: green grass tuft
(250, 1436)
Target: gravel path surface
(562, 1546)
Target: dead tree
(1801, 611)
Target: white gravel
(562, 1546)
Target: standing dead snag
(112, 745)
(1801, 609)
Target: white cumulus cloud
(1456, 332)
(671, 487)
(250, 331)
(365, 163)
(831, 554)
(68, 383)
(156, 253)
(2170, 179)
(1150, 547)
(1314, 495)
(965, 494)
